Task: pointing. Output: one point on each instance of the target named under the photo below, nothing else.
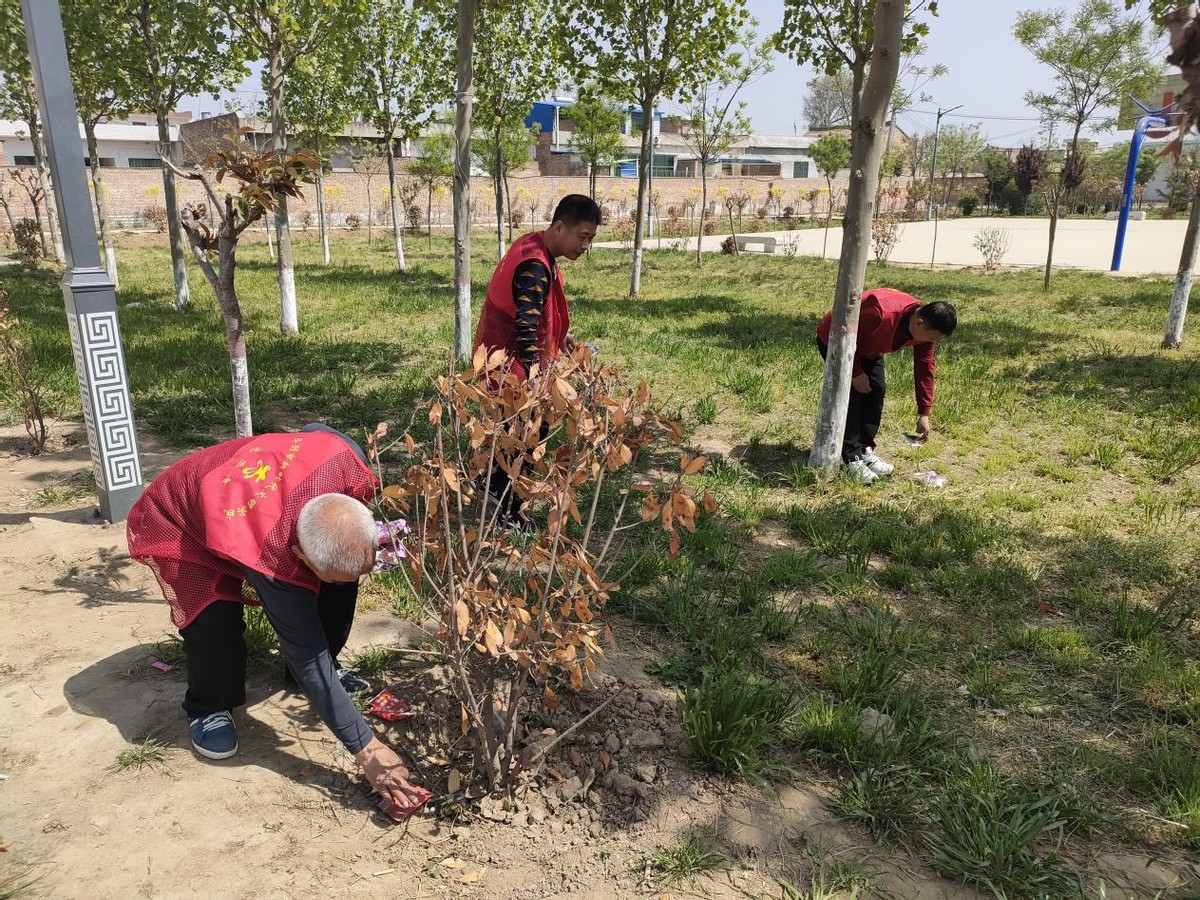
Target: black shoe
(352, 681)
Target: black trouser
(216, 650)
(865, 411)
(501, 486)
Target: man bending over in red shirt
(888, 320)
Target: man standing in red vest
(525, 313)
(286, 514)
(888, 320)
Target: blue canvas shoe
(214, 737)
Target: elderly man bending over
(285, 514)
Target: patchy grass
(692, 855)
(150, 752)
(1030, 629)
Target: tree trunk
(866, 150)
(1054, 194)
(269, 225)
(183, 295)
(703, 207)
(235, 335)
(429, 215)
(462, 177)
(1173, 336)
(644, 162)
(33, 120)
(110, 252)
(396, 222)
(322, 215)
(592, 181)
(498, 187)
(828, 216)
(289, 318)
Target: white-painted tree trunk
(1177, 313)
(289, 316)
(645, 160)
(866, 154)
(462, 177)
(323, 220)
(397, 222)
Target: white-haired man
(285, 514)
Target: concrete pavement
(1151, 247)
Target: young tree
(997, 173)
(858, 34)
(910, 87)
(100, 93)
(317, 97)
(830, 154)
(499, 156)
(369, 162)
(464, 99)
(827, 103)
(404, 62)
(597, 134)
(715, 117)
(433, 167)
(959, 148)
(1147, 168)
(518, 58)
(18, 101)
(171, 49)
(1027, 171)
(1098, 57)
(283, 32)
(917, 153)
(644, 51)
(262, 179)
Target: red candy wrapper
(387, 706)
(398, 813)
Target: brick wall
(131, 191)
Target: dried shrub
(28, 238)
(729, 246)
(156, 217)
(519, 612)
(353, 222)
(992, 243)
(19, 360)
(885, 234)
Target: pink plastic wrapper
(930, 479)
(391, 552)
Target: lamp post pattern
(88, 292)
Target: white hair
(335, 532)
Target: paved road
(1150, 247)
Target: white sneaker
(861, 472)
(877, 465)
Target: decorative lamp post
(88, 292)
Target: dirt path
(288, 816)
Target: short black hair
(940, 316)
(575, 208)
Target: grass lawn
(1003, 674)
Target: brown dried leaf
(493, 639)
(695, 466)
(549, 699)
(435, 413)
(462, 617)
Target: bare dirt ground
(289, 816)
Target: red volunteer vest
(498, 319)
(235, 506)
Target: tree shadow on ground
(1150, 383)
(743, 331)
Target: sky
(989, 72)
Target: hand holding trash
(388, 776)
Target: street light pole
(933, 166)
(88, 292)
